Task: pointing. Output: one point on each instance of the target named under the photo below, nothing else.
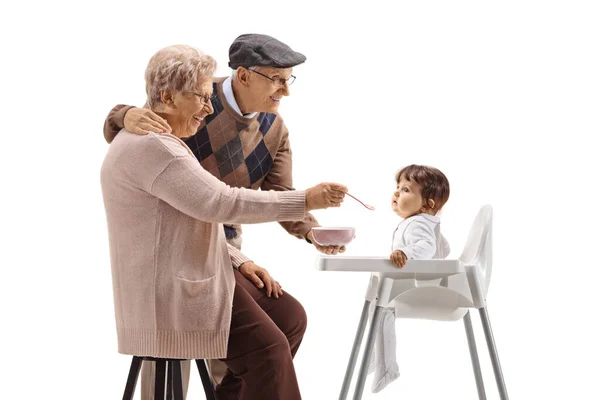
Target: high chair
(426, 289)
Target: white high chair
(427, 289)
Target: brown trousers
(264, 337)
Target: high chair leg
(489, 337)
(360, 332)
(364, 366)
(474, 355)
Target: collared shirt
(228, 92)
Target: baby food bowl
(333, 236)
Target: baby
(420, 194)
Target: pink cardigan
(172, 275)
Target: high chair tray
(384, 265)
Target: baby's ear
(430, 203)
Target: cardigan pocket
(194, 294)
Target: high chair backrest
(478, 248)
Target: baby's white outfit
(419, 237)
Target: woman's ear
(166, 98)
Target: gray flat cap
(262, 51)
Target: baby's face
(407, 200)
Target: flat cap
(262, 51)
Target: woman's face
(190, 108)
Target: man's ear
(242, 74)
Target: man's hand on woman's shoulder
(143, 121)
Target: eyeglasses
(279, 82)
(206, 98)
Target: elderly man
(244, 143)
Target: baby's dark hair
(433, 182)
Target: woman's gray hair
(177, 69)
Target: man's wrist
(125, 114)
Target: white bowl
(333, 236)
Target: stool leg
(134, 373)
(177, 382)
(170, 380)
(160, 380)
(209, 390)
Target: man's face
(264, 93)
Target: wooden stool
(167, 381)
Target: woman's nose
(210, 108)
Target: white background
(501, 96)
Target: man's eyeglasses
(279, 82)
(206, 98)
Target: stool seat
(167, 381)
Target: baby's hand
(398, 258)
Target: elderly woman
(244, 143)
(174, 289)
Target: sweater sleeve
(114, 122)
(237, 257)
(189, 188)
(279, 178)
(420, 241)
